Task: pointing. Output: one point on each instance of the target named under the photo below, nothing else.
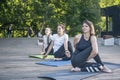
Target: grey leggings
(79, 59)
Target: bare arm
(49, 49)
(94, 47)
(76, 39)
(67, 52)
(43, 48)
(66, 43)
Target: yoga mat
(54, 63)
(68, 75)
(41, 56)
(112, 65)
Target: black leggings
(79, 59)
(60, 53)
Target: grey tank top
(83, 44)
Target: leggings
(79, 59)
(60, 53)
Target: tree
(38, 13)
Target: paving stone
(16, 65)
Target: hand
(67, 53)
(44, 56)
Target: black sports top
(83, 44)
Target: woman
(86, 48)
(47, 40)
(60, 44)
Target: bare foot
(73, 69)
(57, 59)
(76, 69)
(106, 69)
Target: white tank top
(58, 41)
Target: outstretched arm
(94, 48)
(76, 39)
(49, 49)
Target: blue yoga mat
(54, 63)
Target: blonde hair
(49, 29)
(90, 24)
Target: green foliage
(38, 13)
(107, 3)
